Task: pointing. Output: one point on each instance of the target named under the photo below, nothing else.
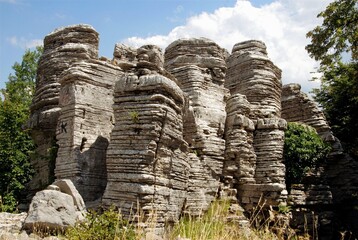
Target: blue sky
(281, 24)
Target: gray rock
(51, 210)
(199, 66)
(254, 129)
(147, 167)
(11, 223)
(62, 47)
(66, 186)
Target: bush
(107, 225)
(304, 150)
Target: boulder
(66, 186)
(54, 210)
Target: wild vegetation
(16, 144)
(304, 151)
(335, 45)
(213, 225)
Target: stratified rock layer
(298, 107)
(62, 47)
(84, 126)
(340, 169)
(147, 163)
(199, 66)
(251, 73)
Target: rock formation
(254, 125)
(199, 67)
(328, 192)
(340, 170)
(166, 134)
(55, 208)
(147, 162)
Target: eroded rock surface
(166, 134)
(147, 163)
(257, 121)
(199, 66)
(52, 210)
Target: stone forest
(168, 132)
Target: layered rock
(338, 176)
(251, 73)
(298, 107)
(147, 164)
(240, 157)
(199, 66)
(62, 47)
(85, 123)
(340, 170)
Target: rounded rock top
(75, 27)
(250, 46)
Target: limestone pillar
(251, 73)
(199, 67)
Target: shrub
(304, 150)
(107, 225)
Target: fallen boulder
(54, 210)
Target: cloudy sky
(281, 24)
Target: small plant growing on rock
(134, 115)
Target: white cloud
(282, 25)
(24, 43)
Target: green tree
(15, 142)
(303, 151)
(337, 39)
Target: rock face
(11, 223)
(85, 124)
(147, 156)
(55, 209)
(166, 134)
(298, 107)
(61, 48)
(199, 66)
(73, 106)
(336, 181)
(340, 170)
(255, 131)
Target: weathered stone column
(75, 92)
(240, 157)
(84, 125)
(146, 158)
(61, 48)
(199, 66)
(251, 73)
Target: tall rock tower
(200, 68)
(255, 119)
(146, 159)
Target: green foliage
(303, 151)
(337, 34)
(16, 144)
(338, 94)
(15, 147)
(211, 225)
(108, 225)
(21, 86)
(134, 115)
(284, 209)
